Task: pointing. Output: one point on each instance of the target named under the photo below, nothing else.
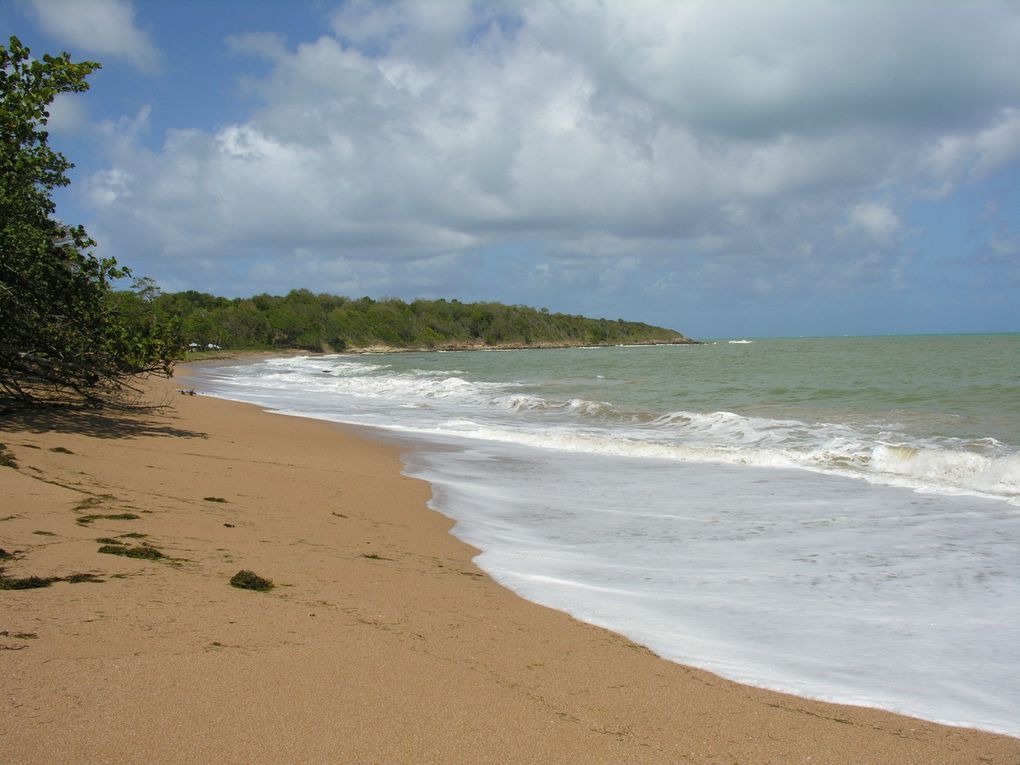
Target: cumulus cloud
(68, 114)
(100, 27)
(876, 220)
(764, 144)
(960, 156)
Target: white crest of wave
(732, 430)
(950, 469)
(315, 365)
(579, 424)
(586, 407)
(360, 380)
(519, 402)
(406, 388)
(528, 402)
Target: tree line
(322, 322)
(66, 335)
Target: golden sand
(380, 643)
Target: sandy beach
(381, 642)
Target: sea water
(837, 518)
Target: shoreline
(449, 347)
(904, 689)
(381, 642)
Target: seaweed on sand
(249, 580)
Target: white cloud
(267, 45)
(1005, 246)
(960, 157)
(876, 220)
(68, 113)
(738, 143)
(107, 187)
(100, 27)
(421, 27)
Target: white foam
(950, 469)
(435, 402)
(811, 585)
(731, 542)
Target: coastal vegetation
(68, 336)
(64, 334)
(322, 322)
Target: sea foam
(866, 556)
(368, 392)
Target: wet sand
(380, 643)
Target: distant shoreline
(227, 353)
(539, 346)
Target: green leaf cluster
(63, 333)
(323, 322)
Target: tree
(62, 337)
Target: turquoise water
(833, 517)
(941, 412)
(958, 386)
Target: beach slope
(381, 642)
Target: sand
(380, 643)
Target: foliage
(63, 333)
(302, 319)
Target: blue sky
(726, 168)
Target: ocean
(837, 518)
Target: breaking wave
(441, 403)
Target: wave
(725, 570)
(950, 470)
(441, 403)
(926, 470)
(353, 379)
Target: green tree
(61, 335)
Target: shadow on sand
(98, 423)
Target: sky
(726, 168)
